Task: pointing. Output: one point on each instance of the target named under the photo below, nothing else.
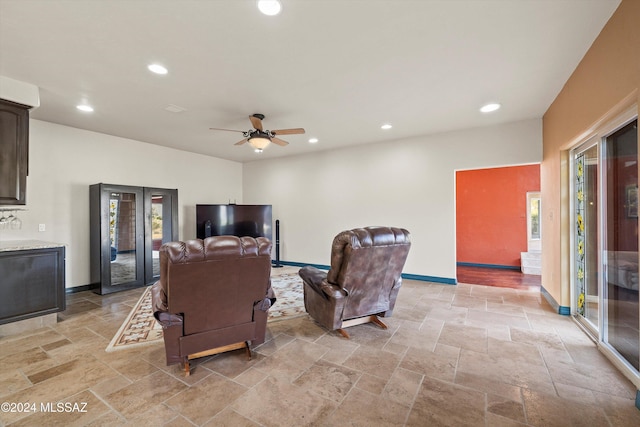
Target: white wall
(64, 161)
(405, 183)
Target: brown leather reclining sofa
(213, 295)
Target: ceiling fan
(258, 137)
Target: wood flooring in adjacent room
(498, 277)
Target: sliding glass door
(605, 274)
(622, 310)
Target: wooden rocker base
(218, 350)
(359, 321)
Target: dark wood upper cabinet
(14, 153)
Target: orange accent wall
(491, 216)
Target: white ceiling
(340, 69)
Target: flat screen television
(234, 220)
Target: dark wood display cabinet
(14, 146)
(128, 225)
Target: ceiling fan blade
(256, 122)
(278, 141)
(228, 130)
(241, 142)
(288, 131)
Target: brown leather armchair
(213, 296)
(363, 281)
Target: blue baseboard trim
(443, 280)
(560, 309)
(419, 277)
(564, 310)
(502, 267)
(304, 264)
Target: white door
(534, 232)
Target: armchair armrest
(268, 300)
(317, 280)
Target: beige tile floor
(452, 356)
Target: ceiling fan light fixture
(269, 7)
(259, 138)
(313, 140)
(259, 142)
(386, 126)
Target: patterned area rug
(140, 327)
(288, 288)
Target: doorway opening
(497, 215)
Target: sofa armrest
(168, 319)
(317, 280)
(160, 308)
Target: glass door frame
(586, 144)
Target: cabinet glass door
(161, 226)
(116, 237)
(125, 231)
(122, 237)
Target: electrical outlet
(41, 227)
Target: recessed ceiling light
(313, 140)
(84, 107)
(386, 126)
(269, 7)
(157, 68)
(175, 108)
(490, 107)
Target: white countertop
(23, 245)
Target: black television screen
(235, 220)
